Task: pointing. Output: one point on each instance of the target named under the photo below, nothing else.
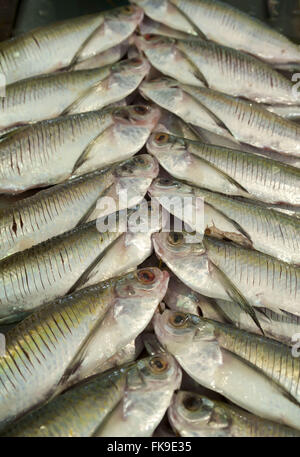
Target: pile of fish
(149, 226)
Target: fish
(50, 269)
(75, 413)
(60, 208)
(218, 21)
(287, 111)
(49, 96)
(234, 118)
(203, 63)
(244, 222)
(194, 415)
(164, 11)
(58, 46)
(226, 170)
(48, 152)
(271, 357)
(222, 371)
(148, 393)
(46, 350)
(226, 271)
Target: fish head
(140, 166)
(169, 186)
(144, 285)
(123, 18)
(169, 149)
(179, 297)
(131, 70)
(163, 91)
(138, 115)
(155, 371)
(152, 42)
(176, 246)
(191, 411)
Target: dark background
(18, 16)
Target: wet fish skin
(147, 396)
(50, 269)
(40, 51)
(123, 80)
(243, 222)
(90, 402)
(164, 55)
(46, 349)
(194, 415)
(272, 358)
(203, 63)
(223, 270)
(227, 25)
(148, 26)
(222, 169)
(234, 118)
(62, 207)
(49, 152)
(163, 9)
(221, 371)
(49, 96)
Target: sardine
(49, 96)
(48, 152)
(57, 46)
(220, 22)
(244, 222)
(193, 415)
(226, 271)
(225, 170)
(112, 55)
(148, 393)
(46, 350)
(150, 27)
(60, 208)
(221, 371)
(203, 63)
(234, 118)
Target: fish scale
(271, 357)
(49, 269)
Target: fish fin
(88, 39)
(151, 343)
(200, 34)
(196, 72)
(215, 118)
(236, 225)
(86, 93)
(92, 208)
(86, 274)
(263, 313)
(84, 156)
(234, 294)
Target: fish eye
(141, 109)
(128, 10)
(178, 320)
(162, 138)
(175, 238)
(192, 403)
(146, 276)
(165, 182)
(123, 113)
(158, 364)
(150, 37)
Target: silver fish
(193, 415)
(220, 22)
(225, 170)
(49, 96)
(203, 63)
(147, 396)
(221, 371)
(46, 349)
(234, 118)
(243, 222)
(59, 45)
(49, 152)
(223, 270)
(112, 55)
